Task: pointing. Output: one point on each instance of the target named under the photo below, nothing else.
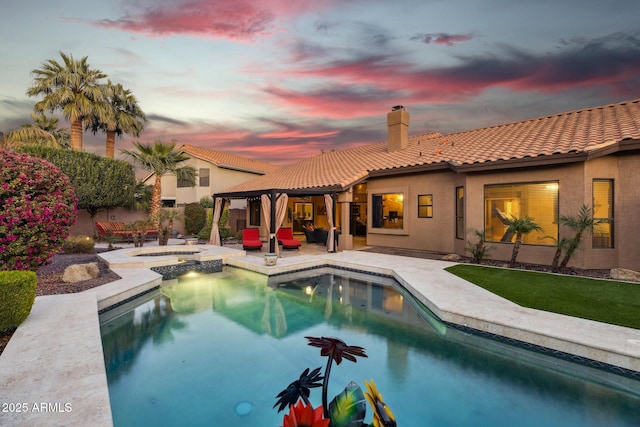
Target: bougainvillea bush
(37, 209)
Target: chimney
(398, 124)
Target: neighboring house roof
(565, 137)
(229, 161)
(226, 161)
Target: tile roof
(579, 132)
(229, 161)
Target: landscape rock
(79, 272)
(624, 274)
(452, 257)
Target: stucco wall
(575, 189)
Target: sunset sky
(280, 80)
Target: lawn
(606, 301)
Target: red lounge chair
(251, 239)
(285, 238)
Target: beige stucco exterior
(574, 189)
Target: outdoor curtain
(214, 238)
(331, 240)
(281, 210)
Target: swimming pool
(216, 349)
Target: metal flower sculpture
(336, 349)
(382, 416)
(299, 389)
(302, 415)
(347, 409)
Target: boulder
(624, 274)
(451, 257)
(79, 272)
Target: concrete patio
(53, 366)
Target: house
(216, 170)
(432, 191)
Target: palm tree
(520, 227)
(583, 222)
(124, 115)
(43, 130)
(161, 159)
(72, 87)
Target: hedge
(17, 293)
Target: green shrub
(17, 293)
(194, 218)
(78, 245)
(205, 233)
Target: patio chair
(285, 238)
(251, 239)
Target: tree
(123, 116)
(520, 227)
(44, 131)
(72, 87)
(161, 158)
(100, 183)
(581, 223)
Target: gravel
(50, 275)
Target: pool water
(216, 349)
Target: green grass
(606, 301)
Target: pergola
(273, 205)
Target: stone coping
(54, 362)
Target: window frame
(428, 206)
(202, 176)
(556, 211)
(610, 220)
(459, 220)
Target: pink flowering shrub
(37, 208)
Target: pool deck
(52, 372)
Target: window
(387, 210)
(425, 206)
(603, 213)
(182, 183)
(459, 212)
(538, 201)
(254, 213)
(203, 174)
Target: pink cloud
(235, 20)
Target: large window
(459, 212)
(603, 213)
(538, 201)
(387, 210)
(425, 206)
(203, 174)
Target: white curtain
(265, 204)
(214, 238)
(331, 241)
(281, 210)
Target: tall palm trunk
(111, 143)
(156, 203)
(76, 134)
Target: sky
(282, 80)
